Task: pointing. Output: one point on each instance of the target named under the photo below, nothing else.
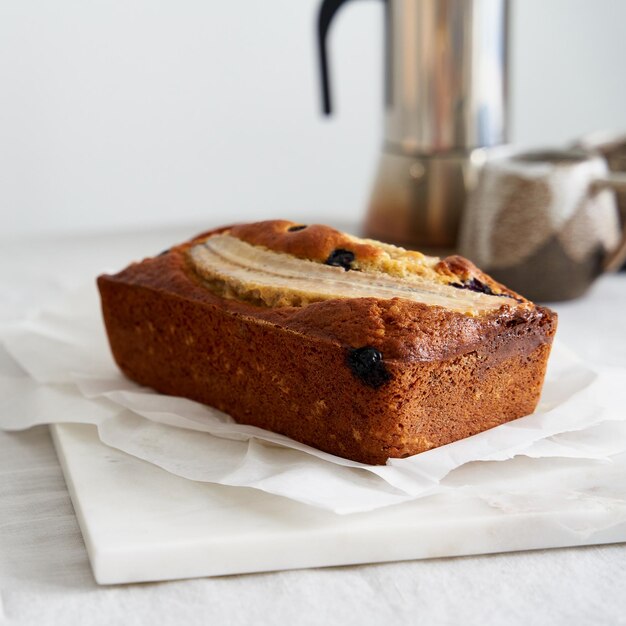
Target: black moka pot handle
(328, 10)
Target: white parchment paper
(56, 367)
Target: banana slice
(236, 269)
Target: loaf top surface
(323, 283)
(279, 263)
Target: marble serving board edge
(141, 523)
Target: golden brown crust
(287, 368)
(459, 268)
(314, 242)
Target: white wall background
(119, 113)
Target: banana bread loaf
(362, 349)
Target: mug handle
(615, 258)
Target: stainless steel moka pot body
(446, 93)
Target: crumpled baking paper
(56, 367)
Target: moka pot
(445, 104)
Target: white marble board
(141, 523)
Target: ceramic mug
(611, 146)
(545, 222)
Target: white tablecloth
(45, 576)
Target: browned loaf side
(366, 378)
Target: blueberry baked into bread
(362, 349)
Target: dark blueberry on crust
(340, 258)
(295, 229)
(473, 284)
(368, 366)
